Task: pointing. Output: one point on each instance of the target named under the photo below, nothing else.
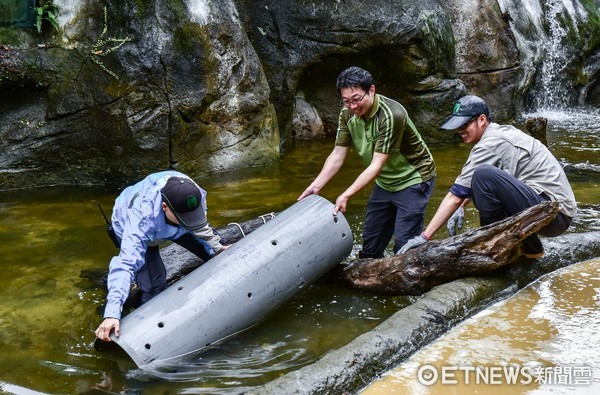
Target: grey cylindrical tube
(241, 286)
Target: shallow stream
(545, 339)
(48, 311)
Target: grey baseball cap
(465, 109)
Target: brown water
(547, 336)
(48, 312)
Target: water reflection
(48, 312)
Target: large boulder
(208, 86)
(487, 58)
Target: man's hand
(223, 248)
(311, 190)
(103, 331)
(413, 243)
(456, 221)
(340, 204)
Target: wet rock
(204, 87)
(408, 46)
(185, 91)
(536, 127)
(306, 122)
(350, 368)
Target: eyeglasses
(353, 102)
(466, 124)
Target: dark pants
(152, 276)
(399, 213)
(498, 195)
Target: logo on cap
(456, 108)
(191, 202)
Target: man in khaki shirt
(507, 172)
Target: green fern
(46, 11)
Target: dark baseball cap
(465, 109)
(184, 198)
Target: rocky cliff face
(205, 86)
(185, 90)
(408, 46)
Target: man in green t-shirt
(396, 157)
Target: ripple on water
(583, 118)
(553, 323)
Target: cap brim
(455, 122)
(192, 220)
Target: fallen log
(439, 261)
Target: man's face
(472, 131)
(357, 100)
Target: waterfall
(547, 33)
(555, 89)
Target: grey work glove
(456, 222)
(412, 243)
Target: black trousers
(498, 195)
(400, 214)
(152, 276)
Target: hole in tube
(335, 219)
(147, 346)
(343, 235)
(179, 288)
(249, 295)
(274, 242)
(161, 324)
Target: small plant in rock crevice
(105, 46)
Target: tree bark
(440, 261)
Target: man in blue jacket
(163, 206)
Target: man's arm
(447, 207)
(121, 273)
(213, 240)
(332, 165)
(363, 179)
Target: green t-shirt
(388, 130)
